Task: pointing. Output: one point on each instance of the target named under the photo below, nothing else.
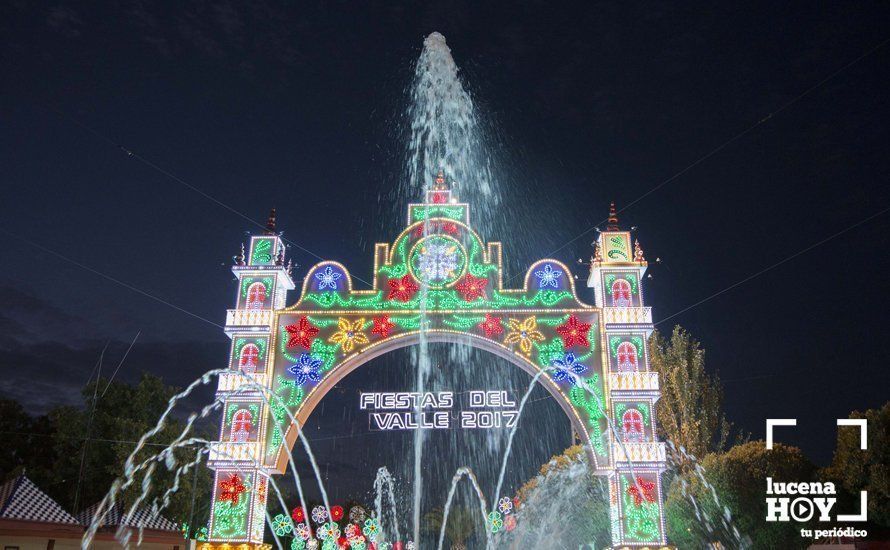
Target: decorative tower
(240, 487)
(616, 276)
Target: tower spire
(440, 193)
(612, 223)
(270, 223)
(440, 181)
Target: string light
(491, 325)
(548, 277)
(574, 332)
(301, 333)
(328, 278)
(282, 525)
(525, 333)
(566, 369)
(438, 277)
(319, 514)
(505, 505)
(495, 521)
(472, 288)
(437, 260)
(382, 326)
(232, 489)
(371, 529)
(641, 510)
(402, 289)
(349, 334)
(307, 368)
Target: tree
(462, 523)
(689, 410)
(565, 506)
(694, 516)
(855, 470)
(91, 444)
(24, 440)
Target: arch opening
(342, 369)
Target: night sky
(299, 108)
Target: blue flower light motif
(307, 368)
(548, 277)
(566, 369)
(328, 278)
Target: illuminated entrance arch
(440, 272)
(343, 369)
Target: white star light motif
(548, 277)
(438, 262)
(327, 278)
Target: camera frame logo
(804, 501)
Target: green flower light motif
(282, 525)
(495, 522)
(371, 529)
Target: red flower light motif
(439, 198)
(574, 332)
(301, 333)
(231, 489)
(298, 514)
(382, 326)
(337, 513)
(419, 230)
(648, 491)
(491, 325)
(510, 523)
(436, 227)
(402, 289)
(472, 287)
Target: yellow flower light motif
(349, 334)
(524, 333)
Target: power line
(775, 265)
(130, 153)
(728, 142)
(110, 380)
(107, 277)
(93, 439)
(83, 454)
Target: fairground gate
(295, 354)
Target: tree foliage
(462, 524)
(75, 453)
(690, 411)
(564, 494)
(855, 470)
(25, 439)
(738, 480)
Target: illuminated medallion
(438, 261)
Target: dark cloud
(228, 18)
(48, 374)
(65, 20)
(27, 319)
(48, 354)
(147, 23)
